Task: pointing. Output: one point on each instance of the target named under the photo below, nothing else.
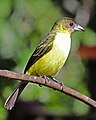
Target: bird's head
(66, 24)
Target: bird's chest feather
(59, 52)
(62, 44)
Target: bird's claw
(61, 85)
(45, 78)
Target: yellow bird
(49, 56)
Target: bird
(49, 56)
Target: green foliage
(5, 8)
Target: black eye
(71, 24)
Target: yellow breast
(51, 62)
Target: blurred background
(23, 24)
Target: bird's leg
(40, 77)
(45, 78)
(54, 79)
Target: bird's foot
(45, 78)
(40, 77)
(61, 83)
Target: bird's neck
(58, 28)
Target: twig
(50, 83)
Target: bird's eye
(71, 24)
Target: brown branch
(50, 84)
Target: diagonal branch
(50, 84)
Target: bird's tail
(9, 103)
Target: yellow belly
(49, 64)
(52, 62)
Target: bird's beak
(78, 28)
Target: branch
(50, 84)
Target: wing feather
(43, 48)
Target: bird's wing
(43, 48)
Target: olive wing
(43, 48)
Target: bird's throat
(63, 42)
